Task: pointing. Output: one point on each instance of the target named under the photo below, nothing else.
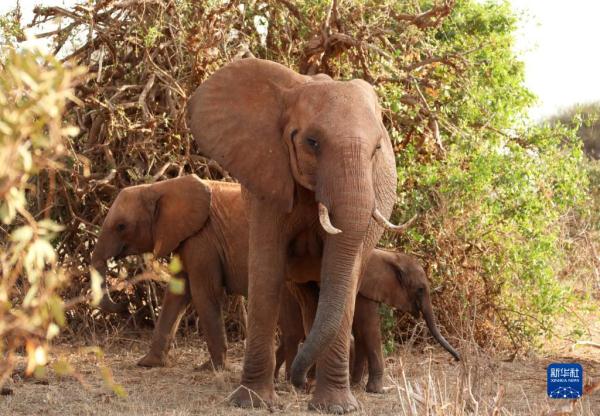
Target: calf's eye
(312, 142)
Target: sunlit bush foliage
(34, 90)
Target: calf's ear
(180, 208)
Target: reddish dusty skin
(202, 221)
(215, 259)
(390, 277)
(294, 142)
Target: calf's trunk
(427, 311)
(99, 259)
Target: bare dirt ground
(420, 380)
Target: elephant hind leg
(207, 288)
(209, 308)
(172, 310)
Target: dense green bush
(495, 214)
(35, 89)
(497, 206)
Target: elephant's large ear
(180, 207)
(236, 118)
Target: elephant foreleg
(332, 390)
(172, 310)
(367, 333)
(266, 268)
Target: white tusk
(325, 221)
(381, 220)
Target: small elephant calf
(202, 221)
(398, 280)
(393, 278)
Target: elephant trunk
(340, 271)
(99, 259)
(427, 311)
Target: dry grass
(419, 381)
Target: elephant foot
(309, 387)
(154, 360)
(335, 401)
(209, 365)
(375, 386)
(354, 381)
(253, 397)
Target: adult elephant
(307, 151)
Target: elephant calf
(202, 221)
(395, 279)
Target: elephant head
(398, 280)
(150, 218)
(279, 132)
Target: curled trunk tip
(299, 370)
(107, 304)
(435, 332)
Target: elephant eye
(312, 142)
(121, 227)
(377, 147)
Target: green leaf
(26, 159)
(119, 390)
(175, 265)
(177, 286)
(53, 331)
(39, 372)
(50, 225)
